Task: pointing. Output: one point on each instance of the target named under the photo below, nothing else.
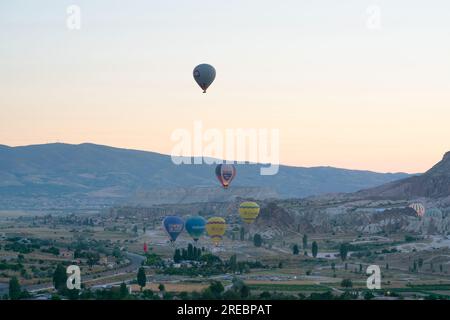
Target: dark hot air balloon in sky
(204, 75)
(225, 174)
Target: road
(135, 263)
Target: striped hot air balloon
(249, 211)
(225, 173)
(418, 208)
(215, 227)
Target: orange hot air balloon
(225, 173)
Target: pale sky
(341, 92)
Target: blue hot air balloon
(174, 226)
(195, 226)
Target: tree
(117, 253)
(295, 249)
(177, 256)
(141, 278)
(368, 295)
(216, 288)
(161, 287)
(305, 241)
(245, 291)
(190, 252)
(343, 251)
(242, 234)
(233, 263)
(123, 290)
(257, 240)
(346, 283)
(314, 249)
(60, 278)
(14, 289)
(420, 264)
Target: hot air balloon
(248, 211)
(195, 226)
(434, 212)
(419, 208)
(215, 227)
(174, 226)
(204, 75)
(225, 174)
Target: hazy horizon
(341, 93)
(166, 154)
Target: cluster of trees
(18, 247)
(314, 247)
(52, 250)
(192, 253)
(15, 290)
(92, 257)
(11, 266)
(418, 264)
(152, 259)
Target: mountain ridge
(434, 183)
(97, 171)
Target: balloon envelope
(249, 211)
(204, 75)
(419, 208)
(215, 227)
(195, 226)
(173, 226)
(225, 173)
(434, 212)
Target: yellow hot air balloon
(215, 227)
(249, 211)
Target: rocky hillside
(435, 183)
